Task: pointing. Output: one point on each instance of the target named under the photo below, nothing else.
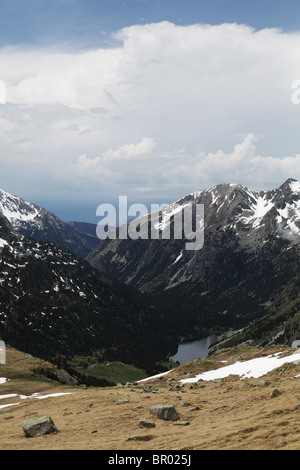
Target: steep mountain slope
(280, 323)
(87, 229)
(33, 221)
(251, 250)
(88, 232)
(53, 303)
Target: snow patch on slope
(258, 209)
(295, 186)
(254, 368)
(37, 396)
(169, 212)
(289, 220)
(178, 257)
(3, 243)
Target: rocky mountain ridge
(35, 222)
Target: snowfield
(254, 368)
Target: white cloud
(136, 168)
(199, 88)
(128, 151)
(160, 64)
(126, 163)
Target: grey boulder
(165, 412)
(38, 427)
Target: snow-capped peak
(236, 206)
(16, 210)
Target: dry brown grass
(234, 415)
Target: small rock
(184, 403)
(175, 388)
(165, 412)
(194, 408)
(150, 389)
(122, 401)
(275, 392)
(181, 423)
(146, 423)
(193, 385)
(38, 427)
(138, 437)
(244, 385)
(263, 383)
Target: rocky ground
(223, 414)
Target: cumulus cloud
(129, 151)
(133, 168)
(159, 63)
(193, 90)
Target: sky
(151, 99)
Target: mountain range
(251, 252)
(136, 300)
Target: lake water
(193, 350)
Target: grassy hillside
(115, 371)
(227, 414)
